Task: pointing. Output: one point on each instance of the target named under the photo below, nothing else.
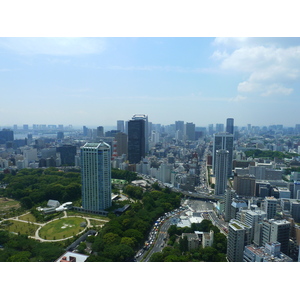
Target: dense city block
(145, 192)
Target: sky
(173, 60)
(97, 81)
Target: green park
(19, 227)
(62, 228)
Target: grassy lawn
(20, 227)
(63, 228)
(6, 203)
(29, 217)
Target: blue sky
(97, 81)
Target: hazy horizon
(200, 79)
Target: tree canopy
(128, 231)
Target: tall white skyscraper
(96, 176)
(221, 168)
(223, 141)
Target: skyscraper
(67, 154)
(146, 130)
(221, 171)
(223, 141)
(179, 125)
(229, 125)
(96, 176)
(122, 143)
(210, 129)
(190, 131)
(136, 140)
(100, 131)
(120, 125)
(219, 128)
(6, 135)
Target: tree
(134, 233)
(183, 244)
(157, 257)
(22, 256)
(81, 248)
(111, 238)
(220, 242)
(129, 241)
(172, 230)
(119, 253)
(156, 186)
(208, 254)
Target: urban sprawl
(141, 191)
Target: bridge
(202, 196)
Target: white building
(284, 193)
(223, 141)
(96, 176)
(30, 154)
(221, 167)
(207, 239)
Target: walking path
(37, 237)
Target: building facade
(238, 237)
(67, 154)
(221, 168)
(276, 231)
(136, 140)
(230, 125)
(223, 141)
(96, 176)
(122, 143)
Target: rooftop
(72, 257)
(261, 252)
(238, 225)
(96, 145)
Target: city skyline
(90, 81)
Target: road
(160, 241)
(161, 237)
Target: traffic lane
(160, 239)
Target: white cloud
(238, 98)
(276, 89)
(248, 87)
(230, 41)
(270, 68)
(238, 42)
(54, 46)
(218, 55)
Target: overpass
(202, 196)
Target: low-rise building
(269, 253)
(72, 257)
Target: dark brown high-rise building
(122, 143)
